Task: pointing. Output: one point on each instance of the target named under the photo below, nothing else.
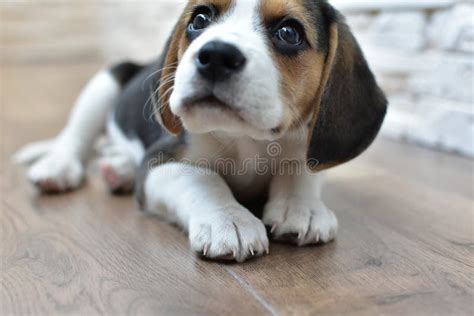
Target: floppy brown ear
(349, 107)
(168, 65)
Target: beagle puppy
(251, 99)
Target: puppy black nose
(217, 61)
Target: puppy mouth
(211, 102)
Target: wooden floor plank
(429, 167)
(87, 252)
(405, 246)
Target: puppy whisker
(171, 66)
(158, 106)
(166, 80)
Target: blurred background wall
(421, 50)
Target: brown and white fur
(311, 96)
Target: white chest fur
(246, 164)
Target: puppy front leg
(295, 211)
(200, 201)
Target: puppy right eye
(203, 17)
(201, 21)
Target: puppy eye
(201, 21)
(289, 35)
(202, 18)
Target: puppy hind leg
(59, 166)
(121, 157)
(32, 152)
(118, 170)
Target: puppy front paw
(231, 233)
(300, 222)
(56, 172)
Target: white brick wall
(423, 54)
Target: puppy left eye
(289, 35)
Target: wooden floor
(405, 247)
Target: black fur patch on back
(124, 72)
(134, 108)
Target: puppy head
(262, 68)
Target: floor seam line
(252, 291)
